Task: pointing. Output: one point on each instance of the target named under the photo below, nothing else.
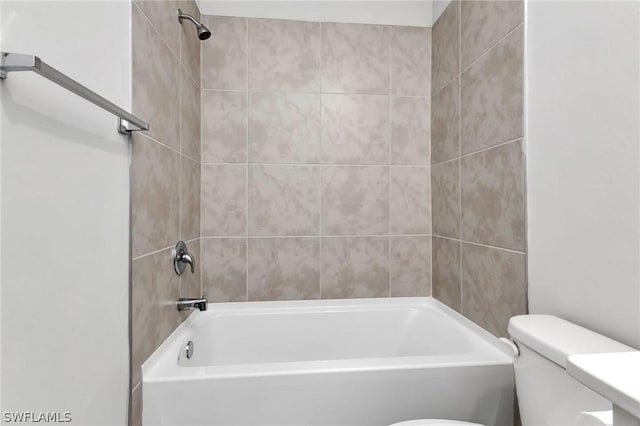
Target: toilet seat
(434, 422)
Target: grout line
(490, 48)
(320, 274)
(479, 244)
(424, 166)
(460, 150)
(389, 164)
(479, 151)
(253, 237)
(246, 142)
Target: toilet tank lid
(556, 339)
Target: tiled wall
(477, 174)
(315, 160)
(165, 174)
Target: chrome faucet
(181, 258)
(185, 303)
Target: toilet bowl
(547, 395)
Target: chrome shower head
(203, 32)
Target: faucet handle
(181, 257)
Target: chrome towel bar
(10, 62)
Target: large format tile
(284, 55)
(189, 41)
(156, 92)
(283, 200)
(155, 289)
(190, 282)
(446, 271)
(355, 129)
(410, 266)
(410, 61)
(445, 199)
(284, 128)
(410, 200)
(190, 199)
(224, 269)
(191, 107)
(445, 123)
(493, 197)
(484, 23)
(445, 39)
(493, 286)
(224, 127)
(410, 131)
(224, 55)
(492, 96)
(155, 197)
(355, 267)
(164, 18)
(224, 200)
(284, 268)
(136, 406)
(355, 200)
(355, 58)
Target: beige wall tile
(189, 41)
(190, 282)
(410, 61)
(284, 268)
(445, 39)
(355, 129)
(445, 199)
(136, 407)
(155, 289)
(156, 92)
(410, 130)
(283, 200)
(163, 17)
(224, 127)
(410, 200)
(446, 271)
(493, 197)
(191, 107)
(224, 203)
(355, 200)
(483, 23)
(445, 123)
(284, 127)
(410, 266)
(190, 198)
(224, 269)
(224, 55)
(284, 55)
(355, 267)
(155, 195)
(493, 286)
(355, 58)
(492, 94)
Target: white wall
(395, 12)
(583, 139)
(65, 214)
(438, 7)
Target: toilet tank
(546, 394)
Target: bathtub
(331, 362)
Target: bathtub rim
(153, 370)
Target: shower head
(203, 32)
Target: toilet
(547, 395)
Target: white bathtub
(345, 362)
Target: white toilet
(547, 395)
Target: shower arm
(182, 16)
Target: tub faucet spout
(185, 303)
